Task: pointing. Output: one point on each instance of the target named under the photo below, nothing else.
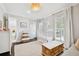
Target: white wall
(75, 13)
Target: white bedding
(72, 51)
(28, 49)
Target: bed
(28, 49)
(23, 39)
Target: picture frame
(23, 24)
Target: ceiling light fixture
(36, 6)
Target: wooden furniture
(24, 35)
(52, 48)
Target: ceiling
(24, 10)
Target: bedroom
(51, 25)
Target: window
(52, 28)
(59, 27)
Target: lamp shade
(77, 44)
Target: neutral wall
(75, 17)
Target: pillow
(77, 44)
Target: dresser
(52, 48)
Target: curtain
(50, 28)
(68, 28)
